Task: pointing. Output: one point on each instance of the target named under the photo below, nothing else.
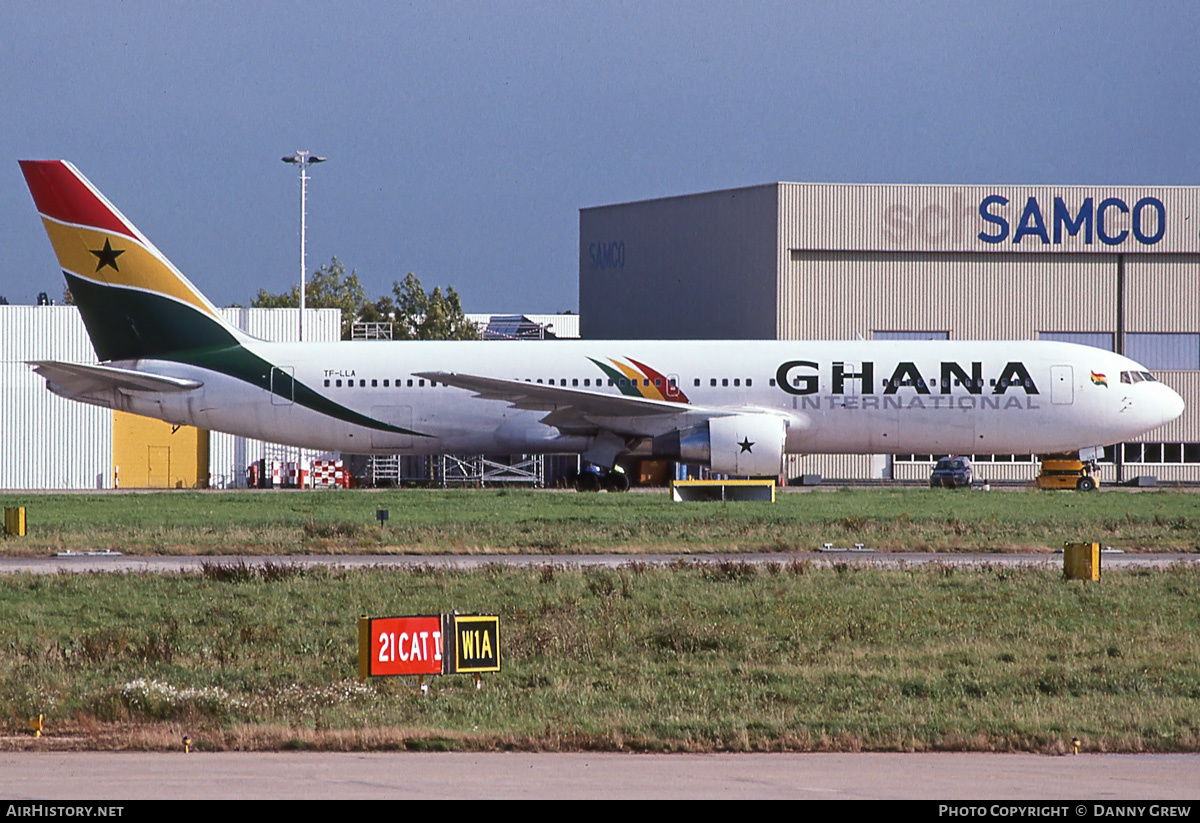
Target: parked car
(952, 472)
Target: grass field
(728, 657)
(491, 521)
(724, 657)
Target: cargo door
(400, 416)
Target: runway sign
(476, 643)
(400, 645)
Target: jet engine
(743, 444)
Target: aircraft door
(283, 385)
(671, 391)
(1062, 385)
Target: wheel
(617, 482)
(588, 482)
(1085, 484)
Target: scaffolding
(478, 470)
(455, 469)
(371, 331)
(383, 469)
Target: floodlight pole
(303, 159)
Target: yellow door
(158, 467)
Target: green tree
(416, 315)
(327, 288)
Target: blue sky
(463, 138)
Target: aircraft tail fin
(134, 302)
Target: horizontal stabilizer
(80, 379)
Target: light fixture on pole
(303, 159)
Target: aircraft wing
(559, 399)
(82, 379)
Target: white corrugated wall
(47, 442)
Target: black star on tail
(107, 256)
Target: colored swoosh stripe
(670, 393)
(616, 376)
(640, 383)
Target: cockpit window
(1136, 376)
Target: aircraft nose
(1171, 404)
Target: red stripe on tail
(59, 193)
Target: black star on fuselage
(746, 444)
(107, 256)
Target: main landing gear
(594, 478)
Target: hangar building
(1116, 267)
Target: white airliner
(737, 406)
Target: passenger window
(339, 384)
(748, 382)
(326, 384)
(712, 381)
(724, 381)
(374, 383)
(737, 381)
(421, 384)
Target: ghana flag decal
(639, 380)
(1099, 379)
(137, 305)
